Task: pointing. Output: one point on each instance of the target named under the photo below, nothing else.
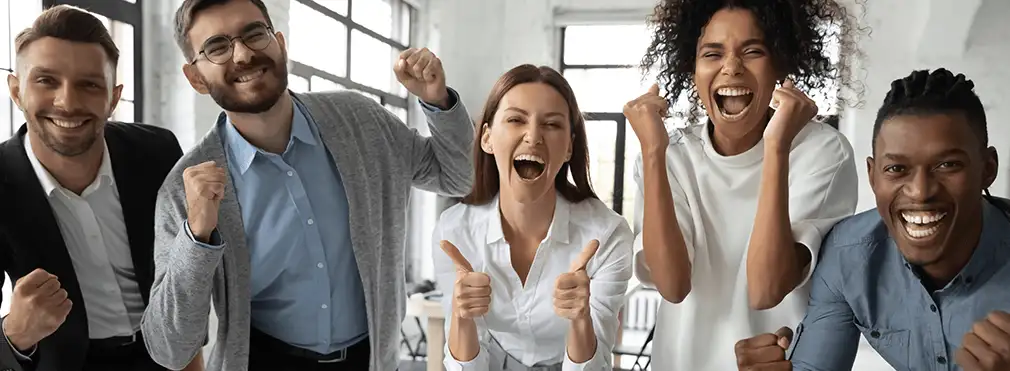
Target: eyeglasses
(219, 49)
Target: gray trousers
(510, 363)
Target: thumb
(583, 259)
(457, 257)
(654, 89)
(788, 83)
(400, 69)
(785, 335)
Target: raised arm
(187, 253)
(464, 350)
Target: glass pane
(602, 148)
(370, 95)
(317, 40)
(399, 112)
(405, 25)
(339, 6)
(375, 15)
(6, 121)
(297, 83)
(20, 15)
(124, 112)
(122, 33)
(606, 90)
(317, 83)
(606, 44)
(372, 63)
(632, 149)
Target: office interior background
(351, 44)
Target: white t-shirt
(715, 199)
(522, 319)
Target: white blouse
(522, 319)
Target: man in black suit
(78, 193)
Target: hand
(204, 184)
(471, 296)
(987, 346)
(39, 305)
(645, 114)
(420, 71)
(571, 290)
(765, 352)
(793, 110)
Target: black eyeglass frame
(231, 43)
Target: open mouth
(250, 76)
(922, 224)
(529, 167)
(68, 124)
(733, 102)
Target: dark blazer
(30, 238)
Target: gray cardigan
(379, 159)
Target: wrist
(652, 153)
(778, 149)
(19, 339)
(442, 102)
(200, 234)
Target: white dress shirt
(522, 319)
(94, 231)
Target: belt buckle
(133, 339)
(341, 356)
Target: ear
(194, 78)
(990, 167)
(117, 91)
(869, 170)
(14, 88)
(280, 40)
(485, 139)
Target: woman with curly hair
(731, 210)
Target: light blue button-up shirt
(864, 285)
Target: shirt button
(325, 306)
(320, 265)
(311, 222)
(874, 334)
(932, 308)
(941, 360)
(291, 173)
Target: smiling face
(530, 138)
(734, 73)
(927, 175)
(251, 81)
(66, 91)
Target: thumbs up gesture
(471, 296)
(571, 290)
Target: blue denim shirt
(863, 284)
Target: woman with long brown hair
(534, 265)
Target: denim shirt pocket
(891, 343)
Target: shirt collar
(558, 231)
(50, 184)
(244, 152)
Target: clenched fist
(571, 290)
(420, 71)
(793, 110)
(645, 114)
(471, 296)
(987, 346)
(765, 352)
(204, 184)
(38, 307)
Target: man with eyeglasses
(290, 214)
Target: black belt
(115, 342)
(261, 339)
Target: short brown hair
(69, 23)
(486, 178)
(190, 8)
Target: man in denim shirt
(924, 277)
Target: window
(15, 16)
(362, 40)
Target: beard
(48, 134)
(228, 98)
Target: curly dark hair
(796, 32)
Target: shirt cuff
(475, 364)
(597, 362)
(17, 354)
(453, 102)
(808, 235)
(215, 238)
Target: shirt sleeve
(681, 209)
(445, 280)
(17, 354)
(214, 242)
(822, 198)
(827, 339)
(453, 100)
(607, 287)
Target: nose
(241, 54)
(533, 133)
(732, 65)
(922, 186)
(67, 98)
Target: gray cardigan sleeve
(175, 322)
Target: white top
(94, 231)
(715, 200)
(522, 319)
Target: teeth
(249, 77)
(918, 232)
(66, 124)
(733, 92)
(533, 158)
(922, 217)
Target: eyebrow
(949, 152)
(749, 42)
(243, 30)
(50, 71)
(524, 112)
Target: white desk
(418, 306)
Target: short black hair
(939, 92)
(796, 33)
(190, 8)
